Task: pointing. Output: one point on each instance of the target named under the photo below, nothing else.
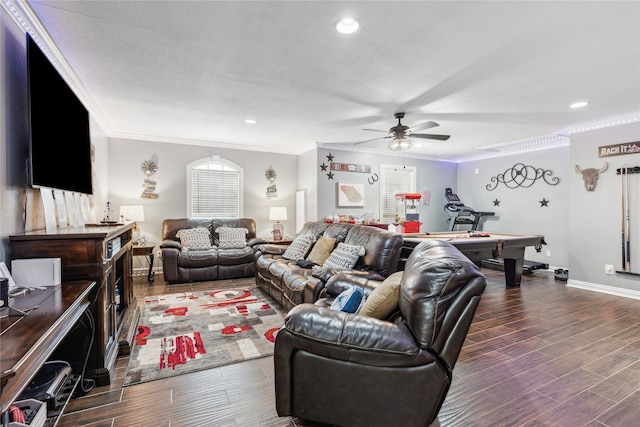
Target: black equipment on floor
(528, 267)
(462, 214)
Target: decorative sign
(522, 176)
(348, 167)
(619, 149)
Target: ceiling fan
(399, 134)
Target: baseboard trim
(604, 289)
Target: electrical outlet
(548, 252)
(608, 269)
(159, 254)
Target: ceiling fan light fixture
(400, 144)
(347, 26)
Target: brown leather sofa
(180, 266)
(290, 284)
(348, 369)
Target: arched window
(214, 189)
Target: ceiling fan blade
(425, 125)
(377, 130)
(430, 136)
(369, 140)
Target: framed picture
(350, 195)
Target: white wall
(433, 175)
(126, 178)
(308, 180)
(520, 210)
(595, 226)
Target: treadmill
(461, 214)
(465, 215)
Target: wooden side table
(146, 250)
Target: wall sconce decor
(278, 214)
(149, 167)
(272, 191)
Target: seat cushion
(236, 256)
(198, 258)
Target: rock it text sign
(619, 149)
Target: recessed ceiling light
(347, 26)
(250, 121)
(579, 104)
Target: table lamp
(277, 214)
(132, 213)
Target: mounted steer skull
(590, 176)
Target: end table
(146, 250)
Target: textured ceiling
(490, 73)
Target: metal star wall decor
(330, 175)
(323, 167)
(496, 202)
(330, 157)
(544, 202)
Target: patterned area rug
(187, 332)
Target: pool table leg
(513, 271)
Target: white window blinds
(394, 179)
(215, 190)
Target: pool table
(510, 247)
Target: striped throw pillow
(232, 238)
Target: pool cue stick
(627, 222)
(624, 254)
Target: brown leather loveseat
(291, 284)
(349, 369)
(180, 265)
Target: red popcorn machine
(408, 212)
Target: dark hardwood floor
(540, 355)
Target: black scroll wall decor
(520, 175)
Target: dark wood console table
(28, 341)
(101, 254)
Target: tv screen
(60, 144)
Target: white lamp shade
(278, 213)
(132, 212)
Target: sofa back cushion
(170, 227)
(382, 248)
(435, 289)
(313, 228)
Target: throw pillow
(194, 238)
(232, 238)
(321, 250)
(344, 256)
(348, 301)
(299, 247)
(384, 299)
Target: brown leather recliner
(347, 369)
(180, 266)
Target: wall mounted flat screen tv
(60, 142)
